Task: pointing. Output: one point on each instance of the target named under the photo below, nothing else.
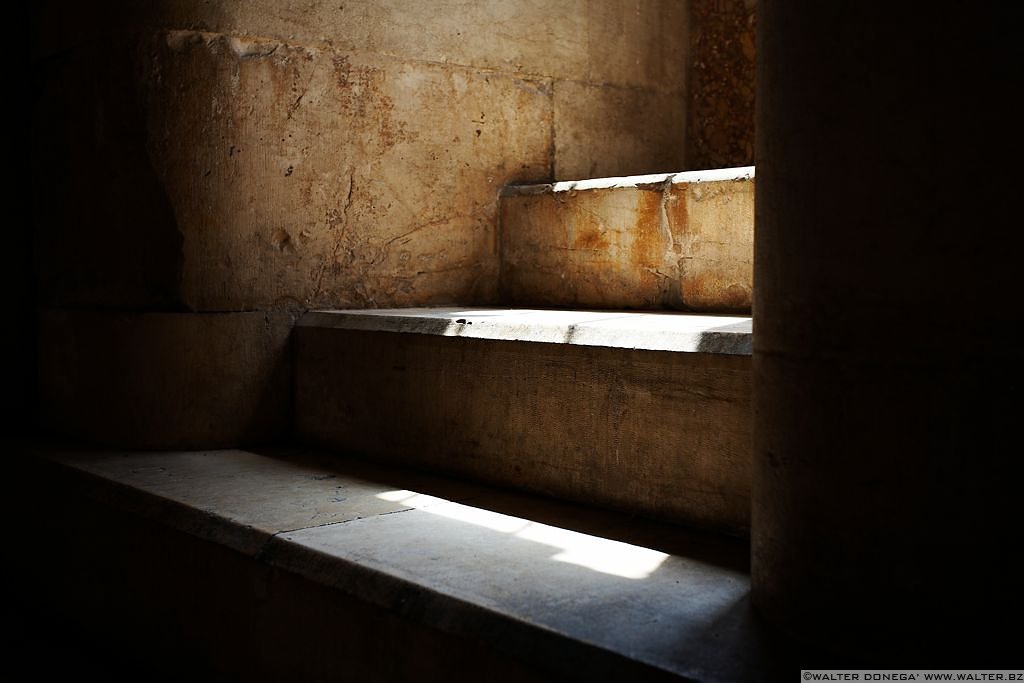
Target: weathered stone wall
(228, 156)
(720, 118)
(681, 241)
(193, 160)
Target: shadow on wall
(105, 231)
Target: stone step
(644, 412)
(298, 565)
(673, 241)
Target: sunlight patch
(593, 552)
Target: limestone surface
(226, 156)
(682, 241)
(655, 432)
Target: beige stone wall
(196, 159)
(226, 156)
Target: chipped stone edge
(653, 182)
(733, 337)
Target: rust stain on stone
(648, 242)
(675, 246)
(590, 240)
(708, 289)
(357, 87)
(647, 249)
(590, 234)
(361, 94)
(713, 225)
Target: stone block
(681, 241)
(661, 433)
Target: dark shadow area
(105, 232)
(49, 638)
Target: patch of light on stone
(613, 329)
(396, 496)
(422, 501)
(593, 552)
(485, 518)
(411, 498)
(596, 553)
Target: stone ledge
(575, 592)
(614, 329)
(582, 406)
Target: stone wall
(233, 156)
(203, 169)
(720, 118)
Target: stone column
(886, 286)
